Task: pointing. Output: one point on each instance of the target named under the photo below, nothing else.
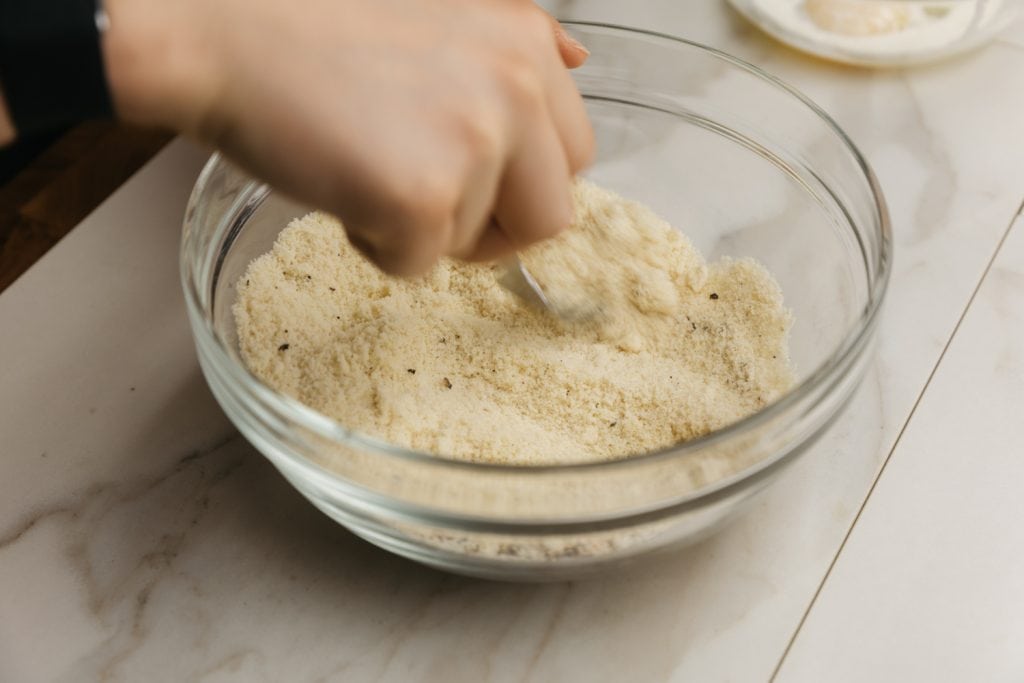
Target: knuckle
(480, 135)
(421, 200)
(522, 84)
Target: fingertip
(574, 53)
(363, 246)
(567, 209)
(412, 259)
(402, 265)
(396, 260)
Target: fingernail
(577, 44)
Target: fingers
(397, 250)
(564, 100)
(403, 227)
(481, 185)
(498, 184)
(534, 202)
(569, 115)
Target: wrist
(154, 60)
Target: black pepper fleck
(332, 289)
(283, 347)
(613, 424)
(447, 383)
(309, 277)
(411, 371)
(246, 283)
(714, 295)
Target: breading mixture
(454, 365)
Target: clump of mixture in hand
(455, 365)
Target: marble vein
(937, 556)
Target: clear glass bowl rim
(829, 372)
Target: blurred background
(50, 182)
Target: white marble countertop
(141, 539)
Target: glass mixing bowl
(881, 33)
(740, 161)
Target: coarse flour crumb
(453, 364)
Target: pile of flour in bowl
(454, 365)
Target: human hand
(430, 127)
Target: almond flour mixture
(453, 364)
